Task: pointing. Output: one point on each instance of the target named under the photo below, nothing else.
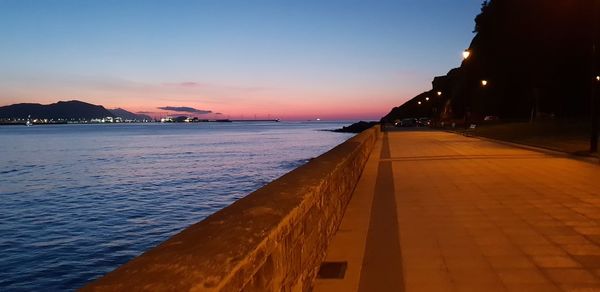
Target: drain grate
(332, 270)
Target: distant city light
(419, 102)
(598, 78)
(427, 98)
(484, 82)
(439, 93)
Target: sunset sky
(292, 59)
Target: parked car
(424, 122)
(410, 122)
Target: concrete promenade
(435, 211)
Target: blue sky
(337, 59)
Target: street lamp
(484, 82)
(419, 103)
(466, 54)
(595, 102)
(439, 93)
(427, 98)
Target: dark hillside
(67, 110)
(536, 57)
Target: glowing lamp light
(484, 82)
(598, 78)
(466, 54)
(439, 93)
(427, 98)
(419, 103)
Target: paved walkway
(436, 211)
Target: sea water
(77, 201)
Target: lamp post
(466, 54)
(594, 111)
(595, 81)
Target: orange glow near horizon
(294, 110)
(229, 101)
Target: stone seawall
(271, 240)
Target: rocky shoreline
(356, 127)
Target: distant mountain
(127, 115)
(61, 110)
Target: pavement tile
(465, 262)
(524, 287)
(508, 222)
(429, 287)
(543, 222)
(568, 239)
(593, 215)
(581, 288)
(489, 239)
(420, 252)
(589, 262)
(555, 262)
(410, 242)
(529, 239)
(424, 262)
(519, 230)
(585, 222)
(582, 249)
(522, 276)
(571, 276)
(468, 249)
(588, 230)
(562, 230)
(510, 262)
(426, 275)
(542, 250)
(473, 275)
(457, 242)
(483, 229)
(482, 223)
(500, 250)
(479, 287)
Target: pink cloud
(184, 84)
(211, 86)
(189, 84)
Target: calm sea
(77, 201)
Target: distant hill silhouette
(536, 57)
(127, 115)
(61, 110)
